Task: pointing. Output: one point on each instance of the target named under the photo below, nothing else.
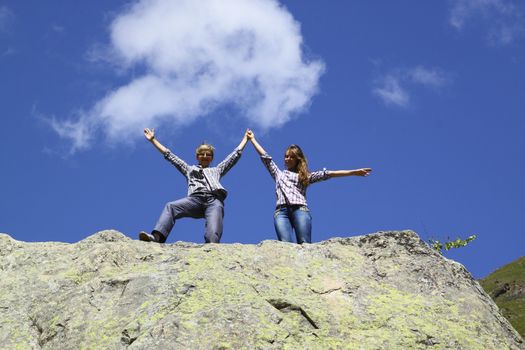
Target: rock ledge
(386, 290)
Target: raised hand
(244, 140)
(149, 134)
(255, 144)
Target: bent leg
(282, 224)
(184, 207)
(302, 223)
(214, 214)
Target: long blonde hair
(302, 164)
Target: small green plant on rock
(439, 246)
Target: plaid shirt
(287, 182)
(205, 180)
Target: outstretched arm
(150, 136)
(244, 140)
(266, 159)
(181, 165)
(355, 172)
(256, 144)
(233, 157)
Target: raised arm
(181, 165)
(150, 136)
(233, 157)
(256, 144)
(244, 140)
(268, 162)
(355, 172)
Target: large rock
(380, 291)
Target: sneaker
(155, 236)
(147, 237)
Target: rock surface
(387, 290)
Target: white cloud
(428, 76)
(503, 18)
(78, 132)
(394, 87)
(196, 56)
(391, 92)
(6, 18)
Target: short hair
(204, 146)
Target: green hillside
(507, 287)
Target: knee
(169, 206)
(173, 207)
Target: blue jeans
(195, 206)
(293, 218)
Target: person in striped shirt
(292, 213)
(205, 197)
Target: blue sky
(429, 95)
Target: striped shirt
(287, 182)
(205, 180)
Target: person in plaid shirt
(205, 193)
(291, 212)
